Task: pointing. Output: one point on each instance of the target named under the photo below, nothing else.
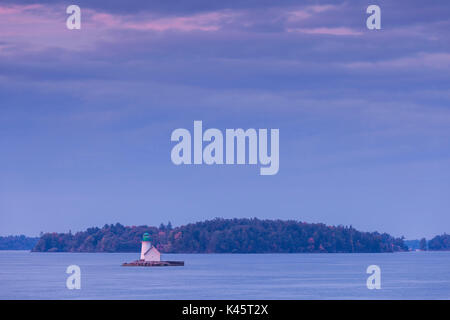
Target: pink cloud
(39, 26)
(27, 23)
(338, 31)
(102, 19)
(204, 22)
(35, 27)
(17, 9)
(422, 60)
(211, 21)
(307, 12)
(297, 15)
(322, 8)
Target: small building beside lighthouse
(148, 251)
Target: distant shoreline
(225, 253)
(244, 236)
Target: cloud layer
(85, 114)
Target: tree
(441, 242)
(423, 244)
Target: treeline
(438, 243)
(17, 243)
(225, 236)
(441, 242)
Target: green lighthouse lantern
(146, 237)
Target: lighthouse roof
(146, 237)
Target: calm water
(418, 275)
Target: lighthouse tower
(148, 251)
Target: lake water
(415, 275)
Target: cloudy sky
(86, 115)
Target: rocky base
(142, 263)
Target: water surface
(409, 275)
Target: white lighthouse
(150, 256)
(148, 251)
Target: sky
(86, 115)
